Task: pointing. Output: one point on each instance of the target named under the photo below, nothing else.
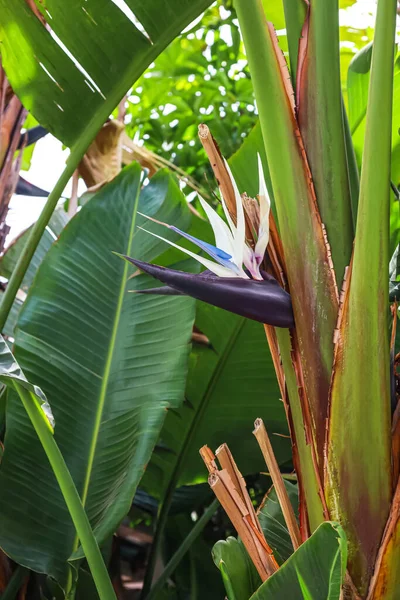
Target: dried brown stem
(230, 489)
(266, 448)
(218, 166)
(209, 459)
(223, 488)
(227, 462)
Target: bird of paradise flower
(233, 279)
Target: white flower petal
(265, 206)
(251, 264)
(239, 234)
(209, 264)
(223, 236)
(263, 196)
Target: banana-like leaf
(231, 381)
(110, 363)
(314, 572)
(320, 114)
(72, 73)
(238, 572)
(358, 476)
(9, 259)
(311, 278)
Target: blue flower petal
(222, 257)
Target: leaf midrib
(108, 363)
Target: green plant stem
(295, 15)
(354, 176)
(38, 228)
(70, 494)
(15, 583)
(180, 553)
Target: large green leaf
(314, 572)
(230, 383)
(81, 66)
(238, 572)
(72, 72)
(110, 364)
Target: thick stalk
(180, 553)
(309, 267)
(320, 115)
(308, 473)
(354, 176)
(295, 15)
(70, 494)
(358, 471)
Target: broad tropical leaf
(238, 573)
(71, 74)
(110, 363)
(230, 382)
(314, 572)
